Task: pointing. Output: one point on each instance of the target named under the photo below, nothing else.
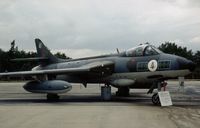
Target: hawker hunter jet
(143, 67)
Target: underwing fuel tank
(52, 86)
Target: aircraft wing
(94, 67)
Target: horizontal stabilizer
(31, 59)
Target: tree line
(6, 64)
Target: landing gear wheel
(123, 92)
(52, 97)
(155, 99)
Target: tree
(2, 60)
(61, 55)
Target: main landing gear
(52, 97)
(123, 92)
(106, 92)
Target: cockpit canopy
(143, 50)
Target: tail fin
(44, 52)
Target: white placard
(165, 98)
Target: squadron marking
(152, 65)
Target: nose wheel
(161, 86)
(155, 99)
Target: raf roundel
(152, 65)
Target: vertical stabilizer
(44, 52)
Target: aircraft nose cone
(186, 64)
(192, 66)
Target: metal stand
(106, 93)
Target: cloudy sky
(91, 27)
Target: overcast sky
(91, 27)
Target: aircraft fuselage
(127, 68)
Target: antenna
(117, 50)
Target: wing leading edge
(96, 67)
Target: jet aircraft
(141, 67)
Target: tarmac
(83, 107)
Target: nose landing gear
(161, 86)
(155, 99)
